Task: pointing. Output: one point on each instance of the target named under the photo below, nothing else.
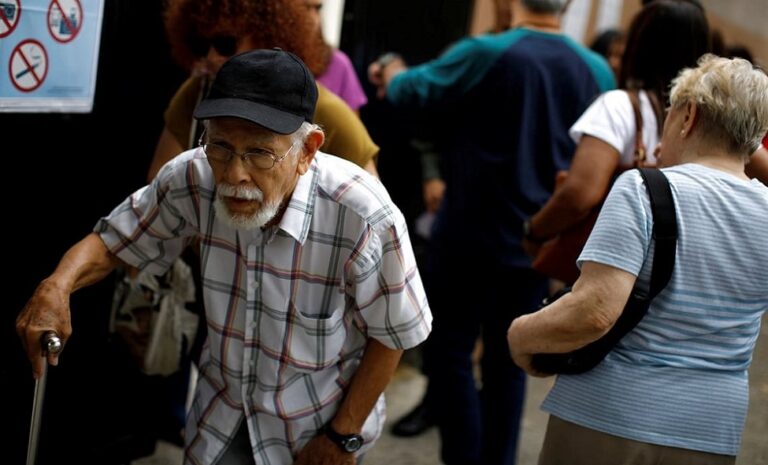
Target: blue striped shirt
(680, 377)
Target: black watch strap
(347, 442)
(528, 233)
(388, 58)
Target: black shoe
(414, 423)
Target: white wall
(332, 13)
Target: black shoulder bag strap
(665, 249)
(664, 228)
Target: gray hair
(299, 137)
(732, 98)
(545, 6)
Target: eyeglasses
(223, 45)
(255, 159)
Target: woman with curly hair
(204, 33)
(337, 72)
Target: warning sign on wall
(65, 17)
(29, 65)
(10, 11)
(50, 50)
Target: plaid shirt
(289, 309)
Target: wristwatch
(347, 442)
(387, 58)
(528, 233)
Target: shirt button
(254, 285)
(253, 324)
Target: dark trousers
(239, 451)
(478, 424)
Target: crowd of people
(308, 289)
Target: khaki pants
(569, 444)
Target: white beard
(239, 221)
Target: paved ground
(407, 387)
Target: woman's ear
(690, 118)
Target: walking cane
(50, 344)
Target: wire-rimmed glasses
(260, 159)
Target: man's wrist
(385, 59)
(530, 235)
(390, 65)
(349, 443)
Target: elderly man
(511, 98)
(310, 284)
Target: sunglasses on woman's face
(222, 45)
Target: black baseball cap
(272, 88)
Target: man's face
(615, 53)
(250, 197)
(313, 12)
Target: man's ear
(311, 145)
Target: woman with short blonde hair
(674, 390)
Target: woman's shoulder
(609, 118)
(616, 99)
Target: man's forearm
(374, 373)
(85, 263)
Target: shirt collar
(298, 215)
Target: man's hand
(531, 248)
(85, 263)
(322, 451)
(381, 72)
(434, 189)
(47, 310)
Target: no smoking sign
(28, 65)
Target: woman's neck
(735, 168)
(718, 160)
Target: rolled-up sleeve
(387, 288)
(150, 228)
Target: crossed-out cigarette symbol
(29, 68)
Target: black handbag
(665, 236)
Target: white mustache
(239, 192)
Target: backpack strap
(641, 154)
(664, 228)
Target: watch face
(353, 444)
